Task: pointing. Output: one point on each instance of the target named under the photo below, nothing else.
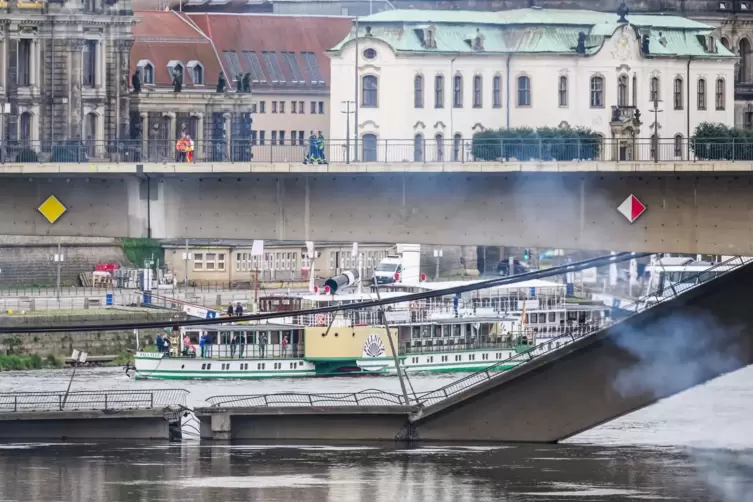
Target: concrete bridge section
(89, 415)
(701, 211)
(680, 343)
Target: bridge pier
(86, 425)
(343, 423)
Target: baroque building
(64, 77)
(428, 80)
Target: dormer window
(174, 68)
(427, 36)
(431, 37)
(146, 68)
(196, 71)
(476, 40)
(711, 44)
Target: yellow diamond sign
(52, 209)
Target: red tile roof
(163, 36)
(274, 33)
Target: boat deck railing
(111, 399)
(432, 397)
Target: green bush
(720, 142)
(543, 143)
(27, 155)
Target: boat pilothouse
(669, 272)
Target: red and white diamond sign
(631, 208)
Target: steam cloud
(675, 354)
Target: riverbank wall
(61, 344)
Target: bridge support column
(470, 260)
(219, 428)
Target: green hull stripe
(184, 375)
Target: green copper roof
(531, 31)
(530, 17)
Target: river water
(696, 446)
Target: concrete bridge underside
(685, 213)
(681, 343)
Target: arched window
(562, 91)
(439, 91)
(457, 147)
(597, 92)
(746, 62)
(369, 88)
(622, 90)
(654, 94)
(440, 146)
(477, 91)
(457, 91)
(720, 95)
(678, 100)
(418, 91)
(701, 94)
(678, 146)
(148, 76)
(418, 148)
(24, 128)
(369, 142)
(725, 42)
(524, 91)
(497, 92)
(197, 75)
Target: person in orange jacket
(189, 149)
(180, 149)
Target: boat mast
(392, 344)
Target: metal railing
(369, 397)
(92, 400)
(556, 343)
(423, 151)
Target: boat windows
(456, 330)
(552, 316)
(209, 366)
(458, 358)
(203, 366)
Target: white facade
(560, 93)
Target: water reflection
(203, 473)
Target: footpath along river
(696, 446)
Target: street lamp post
(655, 139)
(355, 94)
(58, 258)
(345, 108)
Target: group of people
(184, 149)
(237, 311)
(163, 343)
(237, 344)
(315, 153)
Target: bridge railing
(370, 397)
(556, 343)
(92, 400)
(407, 150)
